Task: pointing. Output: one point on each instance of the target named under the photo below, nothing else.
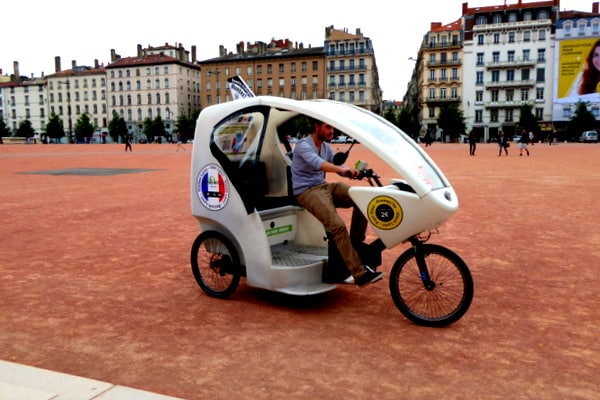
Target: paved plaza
(95, 283)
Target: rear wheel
(436, 297)
(215, 264)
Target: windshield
(396, 148)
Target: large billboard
(578, 70)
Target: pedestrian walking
(180, 143)
(472, 142)
(127, 143)
(503, 143)
(523, 142)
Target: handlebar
(370, 176)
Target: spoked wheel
(437, 294)
(215, 264)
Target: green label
(279, 230)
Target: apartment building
(344, 69)
(503, 56)
(440, 63)
(77, 91)
(159, 81)
(577, 33)
(22, 99)
(508, 61)
(280, 68)
(352, 74)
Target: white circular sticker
(212, 187)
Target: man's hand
(348, 172)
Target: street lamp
(69, 109)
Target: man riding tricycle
(247, 195)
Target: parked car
(516, 138)
(589, 137)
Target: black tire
(447, 301)
(215, 264)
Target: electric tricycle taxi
(252, 227)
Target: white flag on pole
(238, 87)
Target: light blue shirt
(306, 164)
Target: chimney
(595, 7)
(17, 73)
(57, 66)
(113, 55)
(194, 53)
(139, 50)
(96, 65)
(73, 64)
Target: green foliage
(117, 127)
(186, 126)
(390, 115)
(4, 130)
(583, 119)
(527, 120)
(25, 129)
(84, 130)
(154, 128)
(451, 121)
(407, 123)
(54, 127)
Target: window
(527, 16)
(526, 53)
(454, 93)
(539, 94)
(539, 113)
(567, 113)
(259, 69)
(495, 95)
(479, 78)
(510, 55)
(249, 71)
(542, 14)
(497, 18)
(510, 95)
(496, 76)
(331, 65)
(432, 74)
(542, 35)
(292, 67)
(512, 17)
(511, 37)
(508, 115)
(431, 94)
(540, 75)
(480, 40)
(494, 115)
(479, 97)
(304, 66)
(443, 93)
(481, 20)
(479, 58)
(455, 73)
(479, 116)
(315, 65)
(496, 56)
(281, 68)
(541, 55)
(269, 69)
(524, 94)
(496, 37)
(526, 36)
(510, 75)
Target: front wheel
(215, 264)
(437, 294)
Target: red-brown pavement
(95, 281)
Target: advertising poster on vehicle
(574, 58)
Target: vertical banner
(238, 87)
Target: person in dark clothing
(128, 143)
(472, 142)
(502, 143)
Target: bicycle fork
(420, 256)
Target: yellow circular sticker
(385, 212)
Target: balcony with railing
(509, 84)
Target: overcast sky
(36, 31)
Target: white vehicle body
(240, 186)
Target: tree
(117, 127)
(4, 131)
(407, 123)
(452, 122)
(54, 128)
(583, 120)
(528, 121)
(186, 126)
(390, 115)
(25, 129)
(84, 130)
(154, 128)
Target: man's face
(325, 132)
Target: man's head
(322, 131)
